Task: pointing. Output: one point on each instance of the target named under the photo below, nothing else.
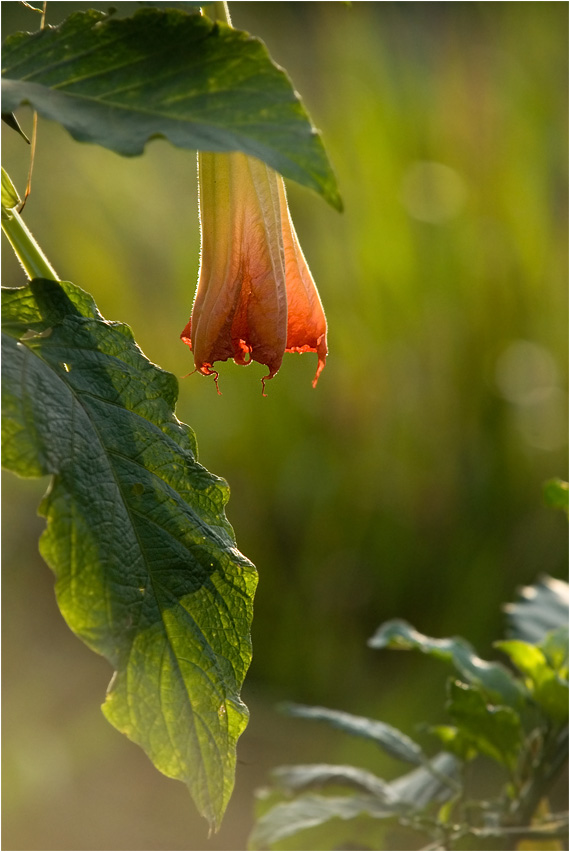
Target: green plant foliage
(493, 678)
(539, 610)
(528, 738)
(556, 494)
(200, 84)
(390, 739)
(147, 570)
(494, 731)
(546, 670)
(375, 798)
(10, 197)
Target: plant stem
(26, 249)
(222, 13)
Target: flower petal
(256, 297)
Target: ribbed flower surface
(256, 298)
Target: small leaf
(146, 565)
(10, 197)
(311, 810)
(556, 494)
(10, 119)
(540, 609)
(119, 82)
(454, 741)
(495, 679)
(494, 730)
(390, 739)
(555, 649)
(548, 690)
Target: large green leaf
(147, 571)
(200, 84)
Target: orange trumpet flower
(256, 298)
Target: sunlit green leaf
(10, 197)
(147, 570)
(547, 688)
(556, 494)
(120, 82)
(495, 679)
(555, 648)
(454, 740)
(495, 730)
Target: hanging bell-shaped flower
(256, 298)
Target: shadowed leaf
(147, 570)
(200, 84)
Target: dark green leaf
(147, 571)
(388, 738)
(10, 119)
(121, 82)
(494, 730)
(540, 609)
(495, 679)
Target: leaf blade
(200, 84)
(147, 570)
(390, 739)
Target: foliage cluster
(518, 719)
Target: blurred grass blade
(146, 565)
(121, 82)
(494, 678)
(390, 739)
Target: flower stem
(26, 249)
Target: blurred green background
(409, 483)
